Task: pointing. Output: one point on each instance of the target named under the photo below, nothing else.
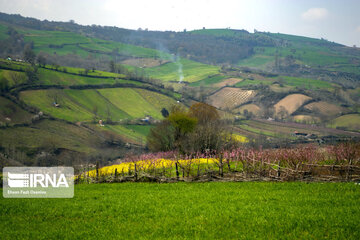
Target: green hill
(11, 113)
(56, 113)
(67, 47)
(309, 52)
(77, 75)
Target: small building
(147, 119)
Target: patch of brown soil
(228, 98)
(250, 107)
(291, 103)
(324, 108)
(228, 82)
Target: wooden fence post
(221, 166)
(278, 171)
(135, 174)
(348, 175)
(177, 171)
(97, 170)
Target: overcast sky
(335, 20)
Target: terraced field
(229, 98)
(291, 103)
(157, 100)
(44, 100)
(253, 108)
(134, 104)
(325, 108)
(84, 105)
(95, 103)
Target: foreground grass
(189, 211)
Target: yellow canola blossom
(240, 138)
(144, 165)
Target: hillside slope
(60, 79)
(54, 117)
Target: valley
(78, 79)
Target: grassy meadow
(81, 105)
(49, 134)
(212, 210)
(130, 133)
(208, 81)
(349, 122)
(9, 110)
(192, 71)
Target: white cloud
(358, 29)
(315, 14)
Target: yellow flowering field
(240, 138)
(144, 165)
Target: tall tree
(198, 129)
(29, 54)
(112, 66)
(204, 112)
(41, 59)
